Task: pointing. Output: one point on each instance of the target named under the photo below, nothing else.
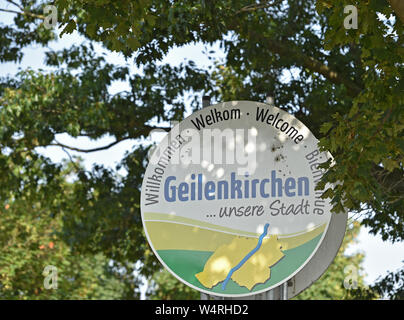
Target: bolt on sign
(228, 199)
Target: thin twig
(16, 4)
(71, 159)
(253, 7)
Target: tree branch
(63, 146)
(389, 180)
(143, 132)
(286, 49)
(24, 13)
(254, 7)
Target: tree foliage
(344, 84)
(343, 277)
(30, 224)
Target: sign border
(225, 104)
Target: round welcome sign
(228, 201)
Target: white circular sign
(228, 199)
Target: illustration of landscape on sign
(226, 261)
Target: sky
(380, 257)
